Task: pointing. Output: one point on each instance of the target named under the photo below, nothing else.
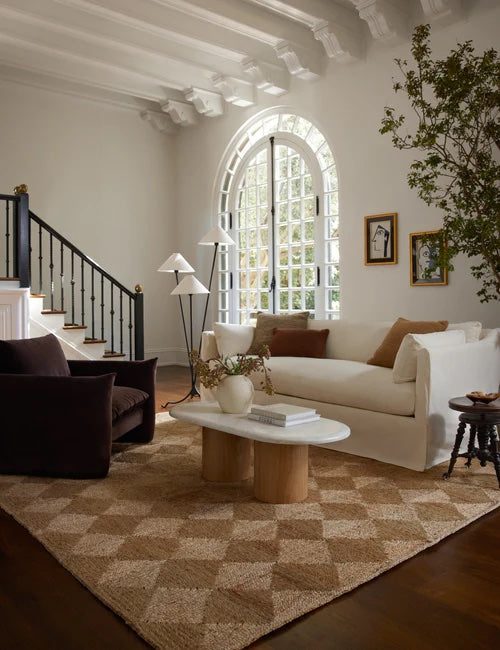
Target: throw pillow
(385, 354)
(472, 329)
(267, 322)
(405, 364)
(233, 339)
(299, 343)
(37, 356)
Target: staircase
(92, 314)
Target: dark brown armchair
(60, 417)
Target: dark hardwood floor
(447, 597)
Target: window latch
(272, 286)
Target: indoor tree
(456, 104)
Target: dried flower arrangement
(212, 371)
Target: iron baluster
(40, 260)
(121, 322)
(61, 274)
(82, 291)
(73, 288)
(112, 313)
(51, 267)
(92, 301)
(102, 307)
(7, 239)
(130, 326)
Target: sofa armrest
(452, 371)
(136, 374)
(57, 426)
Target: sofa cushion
(267, 322)
(405, 364)
(385, 354)
(338, 381)
(42, 355)
(472, 329)
(125, 399)
(233, 339)
(299, 343)
(353, 340)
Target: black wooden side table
(483, 420)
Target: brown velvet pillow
(299, 343)
(37, 356)
(267, 322)
(386, 352)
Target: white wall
(105, 180)
(347, 105)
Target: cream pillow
(233, 339)
(405, 364)
(472, 329)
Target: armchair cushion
(126, 399)
(42, 355)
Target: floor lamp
(214, 237)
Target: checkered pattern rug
(191, 564)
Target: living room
(129, 194)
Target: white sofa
(407, 424)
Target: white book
(284, 423)
(280, 411)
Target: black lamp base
(192, 393)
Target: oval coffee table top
(208, 414)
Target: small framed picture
(381, 239)
(423, 253)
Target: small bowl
(482, 398)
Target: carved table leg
(471, 445)
(495, 454)
(482, 441)
(456, 449)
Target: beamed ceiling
(178, 62)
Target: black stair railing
(62, 271)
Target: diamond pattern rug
(191, 564)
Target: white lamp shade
(189, 286)
(216, 236)
(176, 263)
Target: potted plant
(229, 375)
(456, 129)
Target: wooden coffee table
(281, 454)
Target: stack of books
(283, 415)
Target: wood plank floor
(447, 597)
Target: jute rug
(191, 564)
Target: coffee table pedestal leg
(225, 458)
(280, 472)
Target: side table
(483, 420)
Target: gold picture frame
(381, 245)
(421, 262)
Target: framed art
(381, 239)
(423, 269)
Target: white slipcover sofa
(407, 424)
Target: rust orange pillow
(298, 343)
(385, 354)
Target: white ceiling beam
(159, 121)
(270, 79)
(259, 24)
(235, 91)
(444, 11)
(336, 27)
(181, 113)
(206, 102)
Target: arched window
(278, 199)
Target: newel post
(139, 323)
(22, 249)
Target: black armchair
(62, 421)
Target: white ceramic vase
(235, 394)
